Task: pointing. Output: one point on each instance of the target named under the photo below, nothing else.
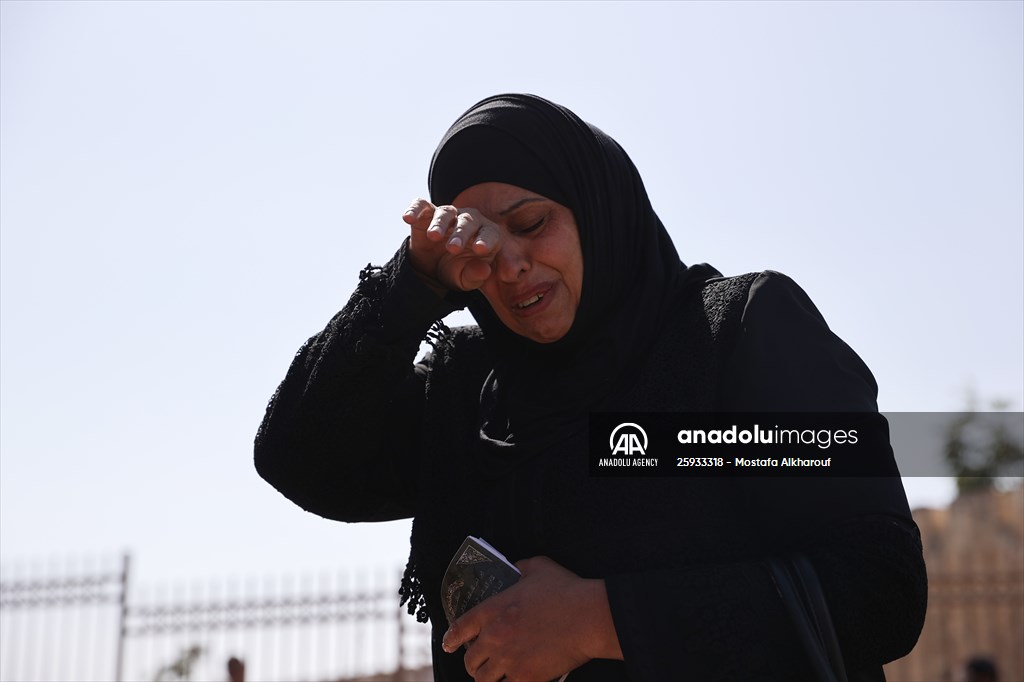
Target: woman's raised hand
(451, 248)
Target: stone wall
(974, 550)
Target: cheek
(490, 292)
(573, 271)
(578, 281)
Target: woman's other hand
(451, 248)
(550, 622)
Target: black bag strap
(798, 586)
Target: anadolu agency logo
(628, 445)
(628, 439)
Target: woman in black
(540, 224)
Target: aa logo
(628, 439)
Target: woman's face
(537, 274)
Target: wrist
(408, 306)
(422, 268)
(432, 283)
(600, 638)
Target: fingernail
(444, 642)
(456, 242)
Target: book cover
(476, 572)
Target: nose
(511, 261)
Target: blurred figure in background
(981, 669)
(236, 670)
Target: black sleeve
(341, 433)
(727, 621)
(787, 359)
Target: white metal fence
(90, 623)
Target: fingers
(471, 231)
(528, 566)
(466, 227)
(420, 209)
(454, 247)
(461, 631)
(474, 273)
(458, 229)
(486, 670)
(481, 664)
(441, 223)
(488, 239)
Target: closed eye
(532, 228)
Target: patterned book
(476, 572)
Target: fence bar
(123, 618)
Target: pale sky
(188, 191)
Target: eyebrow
(518, 204)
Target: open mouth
(536, 298)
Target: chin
(538, 336)
(545, 339)
(545, 331)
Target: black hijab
(539, 394)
